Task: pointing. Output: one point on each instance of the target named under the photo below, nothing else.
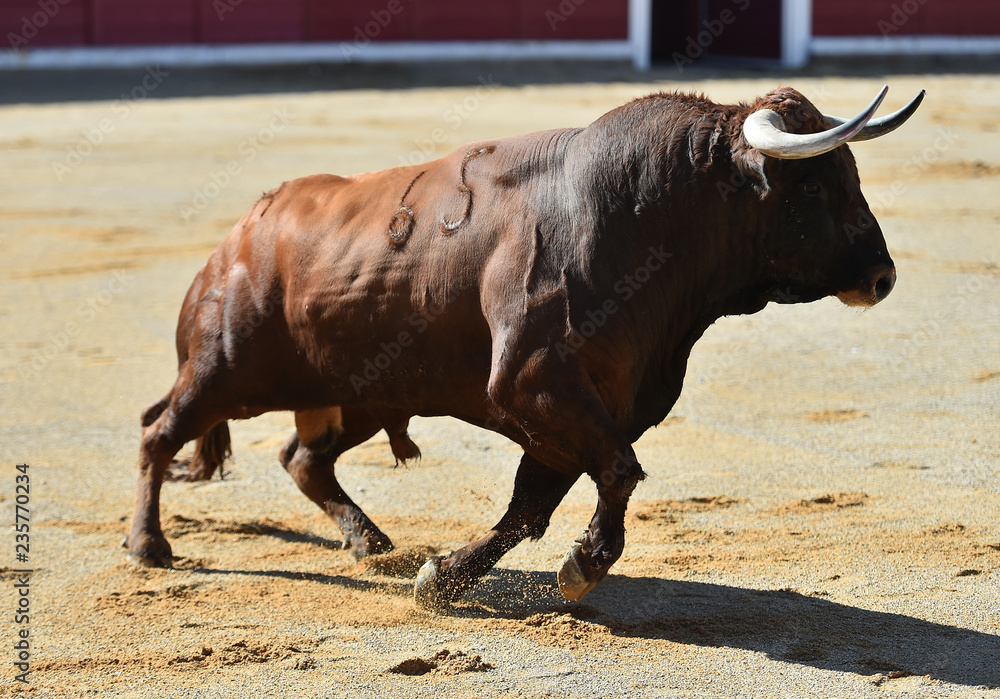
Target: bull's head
(821, 238)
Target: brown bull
(548, 287)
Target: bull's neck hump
(663, 233)
(654, 182)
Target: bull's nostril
(884, 285)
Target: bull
(548, 287)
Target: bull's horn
(883, 125)
(765, 131)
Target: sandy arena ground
(821, 516)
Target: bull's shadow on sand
(788, 626)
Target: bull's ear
(752, 167)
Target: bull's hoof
(426, 592)
(574, 581)
(151, 553)
(367, 544)
(149, 561)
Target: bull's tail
(211, 451)
(403, 448)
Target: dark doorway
(685, 32)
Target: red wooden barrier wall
(30, 23)
(137, 22)
(906, 17)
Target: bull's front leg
(601, 545)
(552, 400)
(537, 491)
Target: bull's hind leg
(538, 490)
(309, 457)
(167, 425)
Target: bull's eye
(811, 189)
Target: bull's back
(381, 275)
(382, 302)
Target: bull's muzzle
(876, 286)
